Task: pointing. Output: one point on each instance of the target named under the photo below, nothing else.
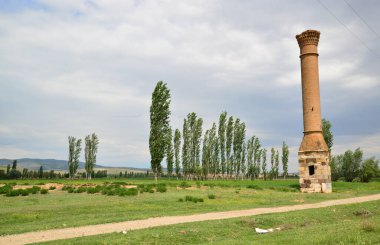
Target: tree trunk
(155, 176)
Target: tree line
(222, 151)
(349, 166)
(12, 172)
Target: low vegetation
(143, 200)
(331, 225)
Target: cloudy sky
(75, 67)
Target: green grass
(346, 224)
(61, 209)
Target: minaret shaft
(313, 155)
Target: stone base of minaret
(315, 173)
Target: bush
(132, 192)
(13, 193)
(80, 189)
(180, 200)
(91, 190)
(211, 196)
(24, 192)
(184, 184)
(199, 184)
(34, 189)
(193, 199)
(161, 188)
(52, 188)
(5, 189)
(255, 187)
(356, 179)
(44, 191)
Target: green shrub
(52, 188)
(193, 199)
(184, 184)
(211, 185)
(34, 189)
(119, 183)
(255, 187)
(70, 189)
(151, 191)
(180, 200)
(44, 191)
(199, 184)
(5, 189)
(211, 196)
(24, 192)
(41, 183)
(13, 193)
(80, 189)
(111, 192)
(132, 192)
(91, 190)
(98, 188)
(356, 179)
(161, 188)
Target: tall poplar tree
(257, 156)
(185, 148)
(159, 126)
(277, 163)
(285, 159)
(206, 153)
(74, 153)
(192, 133)
(229, 136)
(250, 170)
(214, 150)
(238, 139)
(169, 153)
(222, 141)
(272, 163)
(264, 164)
(197, 135)
(177, 146)
(243, 165)
(90, 150)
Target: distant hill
(53, 164)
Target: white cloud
(76, 67)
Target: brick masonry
(313, 154)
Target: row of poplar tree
(222, 152)
(90, 150)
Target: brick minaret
(313, 154)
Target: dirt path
(56, 234)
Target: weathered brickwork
(313, 154)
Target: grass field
(347, 224)
(60, 209)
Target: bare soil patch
(45, 186)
